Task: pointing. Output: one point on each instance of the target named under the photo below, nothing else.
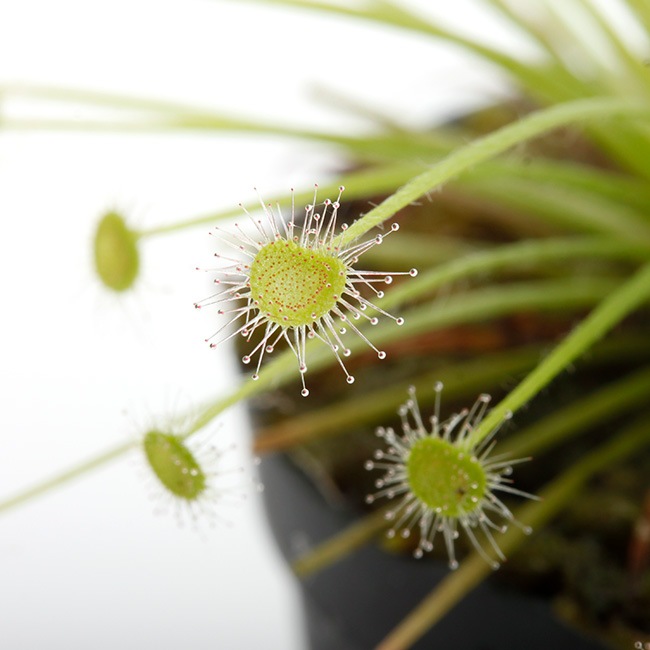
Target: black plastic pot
(353, 604)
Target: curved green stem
(490, 146)
(520, 255)
(641, 10)
(101, 99)
(467, 378)
(358, 185)
(66, 476)
(405, 146)
(625, 191)
(165, 123)
(386, 13)
(568, 208)
(460, 378)
(162, 115)
(594, 409)
(615, 186)
(497, 301)
(628, 297)
(636, 77)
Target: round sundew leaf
(116, 253)
(445, 478)
(174, 465)
(294, 285)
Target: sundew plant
(295, 280)
(504, 255)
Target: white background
(90, 566)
